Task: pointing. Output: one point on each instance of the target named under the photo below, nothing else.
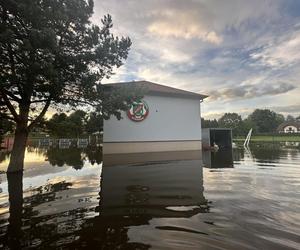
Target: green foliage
(266, 120)
(6, 126)
(61, 125)
(52, 55)
(94, 123)
(245, 126)
(116, 98)
(76, 124)
(57, 125)
(70, 156)
(233, 121)
(261, 121)
(275, 137)
(236, 123)
(290, 118)
(76, 120)
(74, 156)
(230, 120)
(209, 123)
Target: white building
(289, 127)
(167, 119)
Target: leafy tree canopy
(94, 123)
(52, 55)
(5, 125)
(261, 121)
(209, 123)
(230, 120)
(76, 124)
(290, 118)
(266, 120)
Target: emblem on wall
(138, 111)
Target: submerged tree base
(15, 190)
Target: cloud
(154, 75)
(243, 53)
(285, 110)
(174, 56)
(186, 25)
(216, 115)
(250, 91)
(290, 109)
(282, 54)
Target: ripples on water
(240, 200)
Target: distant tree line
(73, 125)
(62, 125)
(262, 121)
(79, 122)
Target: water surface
(68, 198)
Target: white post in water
(246, 143)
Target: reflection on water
(136, 195)
(66, 199)
(220, 159)
(15, 191)
(74, 157)
(151, 189)
(55, 156)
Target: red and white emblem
(138, 111)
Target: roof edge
(159, 89)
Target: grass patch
(271, 138)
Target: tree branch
(10, 106)
(79, 101)
(11, 95)
(7, 117)
(41, 115)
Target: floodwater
(68, 199)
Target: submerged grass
(271, 138)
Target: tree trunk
(16, 163)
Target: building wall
(157, 146)
(169, 119)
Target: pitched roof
(158, 89)
(285, 124)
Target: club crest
(138, 111)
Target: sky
(243, 54)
